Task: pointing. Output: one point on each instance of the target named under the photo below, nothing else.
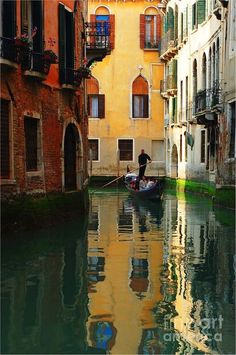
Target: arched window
(150, 29)
(96, 101)
(213, 64)
(209, 68)
(140, 98)
(204, 78)
(217, 59)
(194, 78)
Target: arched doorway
(70, 140)
(174, 162)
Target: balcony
(168, 46)
(71, 78)
(208, 102)
(171, 85)
(163, 89)
(9, 53)
(168, 87)
(98, 44)
(35, 65)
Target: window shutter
(145, 106)
(101, 106)
(112, 31)
(158, 30)
(132, 105)
(62, 47)
(88, 104)
(5, 152)
(142, 31)
(171, 23)
(201, 11)
(37, 21)
(9, 19)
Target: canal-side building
(125, 108)
(196, 90)
(43, 116)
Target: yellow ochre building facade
(125, 108)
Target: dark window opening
(93, 146)
(125, 147)
(232, 130)
(5, 141)
(203, 146)
(31, 143)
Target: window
(157, 150)
(204, 77)
(201, 11)
(125, 147)
(180, 148)
(232, 129)
(186, 99)
(105, 26)
(66, 45)
(31, 126)
(140, 106)
(140, 98)
(194, 80)
(150, 29)
(186, 147)
(93, 146)
(203, 146)
(96, 106)
(5, 141)
(32, 22)
(96, 101)
(194, 16)
(8, 23)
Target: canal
(133, 278)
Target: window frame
(126, 139)
(101, 106)
(98, 153)
(203, 147)
(38, 146)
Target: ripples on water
(136, 278)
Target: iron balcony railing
(97, 35)
(206, 100)
(8, 50)
(71, 76)
(163, 86)
(34, 61)
(168, 42)
(169, 84)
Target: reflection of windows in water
(125, 222)
(139, 275)
(96, 266)
(31, 302)
(93, 221)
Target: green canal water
(132, 278)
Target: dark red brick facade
(55, 106)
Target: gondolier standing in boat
(142, 160)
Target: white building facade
(199, 89)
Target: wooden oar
(107, 184)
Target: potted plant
(84, 72)
(50, 56)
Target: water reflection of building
(131, 273)
(44, 292)
(197, 274)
